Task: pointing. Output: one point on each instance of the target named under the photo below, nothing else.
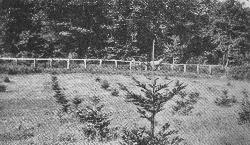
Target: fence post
(210, 69)
(16, 61)
(172, 67)
(185, 68)
(100, 62)
(68, 61)
(34, 63)
(198, 69)
(85, 63)
(116, 63)
(50, 63)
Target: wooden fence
(131, 63)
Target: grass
(30, 100)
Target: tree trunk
(153, 125)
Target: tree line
(197, 31)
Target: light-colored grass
(29, 102)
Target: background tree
(207, 30)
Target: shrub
(167, 78)
(149, 106)
(122, 87)
(18, 69)
(105, 84)
(229, 84)
(186, 104)
(240, 72)
(114, 92)
(244, 114)
(218, 70)
(98, 79)
(6, 80)
(2, 88)
(225, 100)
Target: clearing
(27, 109)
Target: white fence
(131, 63)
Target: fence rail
(131, 63)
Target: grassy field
(28, 109)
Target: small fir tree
(149, 106)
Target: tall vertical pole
(115, 63)
(153, 54)
(198, 68)
(85, 63)
(68, 61)
(16, 61)
(100, 64)
(172, 66)
(210, 69)
(34, 63)
(50, 63)
(185, 68)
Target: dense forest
(197, 31)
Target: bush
(105, 84)
(2, 88)
(225, 100)
(114, 92)
(240, 72)
(244, 114)
(6, 80)
(98, 79)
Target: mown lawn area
(28, 111)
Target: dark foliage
(6, 79)
(186, 104)
(59, 95)
(114, 92)
(194, 31)
(240, 72)
(98, 79)
(3, 88)
(105, 84)
(96, 120)
(141, 136)
(244, 114)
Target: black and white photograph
(124, 72)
